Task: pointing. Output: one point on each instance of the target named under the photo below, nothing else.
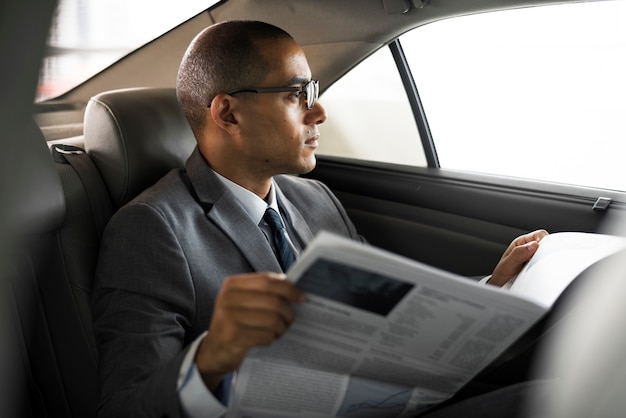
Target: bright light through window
(87, 36)
(535, 93)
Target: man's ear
(223, 112)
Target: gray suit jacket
(163, 259)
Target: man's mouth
(313, 141)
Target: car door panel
(461, 222)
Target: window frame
(429, 144)
(415, 102)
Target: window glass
(369, 116)
(537, 93)
(87, 36)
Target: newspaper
(381, 335)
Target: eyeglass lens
(312, 92)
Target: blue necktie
(284, 252)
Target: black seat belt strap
(99, 199)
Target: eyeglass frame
(309, 103)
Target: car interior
(91, 150)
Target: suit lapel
(227, 214)
(230, 216)
(298, 225)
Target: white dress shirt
(197, 400)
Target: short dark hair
(221, 58)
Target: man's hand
(516, 255)
(250, 310)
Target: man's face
(279, 134)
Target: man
(187, 278)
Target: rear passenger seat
(50, 310)
(132, 137)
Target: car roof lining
(331, 53)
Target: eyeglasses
(311, 92)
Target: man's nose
(317, 115)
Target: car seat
(135, 136)
(50, 330)
(587, 353)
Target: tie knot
(273, 219)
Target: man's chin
(306, 166)
(309, 165)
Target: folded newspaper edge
(381, 335)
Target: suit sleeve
(143, 303)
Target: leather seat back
(59, 365)
(135, 136)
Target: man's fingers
(260, 300)
(271, 283)
(257, 303)
(517, 254)
(250, 310)
(271, 323)
(531, 236)
(521, 254)
(525, 239)
(538, 235)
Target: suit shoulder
(294, 184)
(167, 197)
(168, 188)
(305, 192)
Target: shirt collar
(255, 206)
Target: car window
(87, 36)
(536, 92)
(369, 116)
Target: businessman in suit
(188, 278)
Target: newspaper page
(560, 258)
(380, 335)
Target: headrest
(135, 136)
(36, 203)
